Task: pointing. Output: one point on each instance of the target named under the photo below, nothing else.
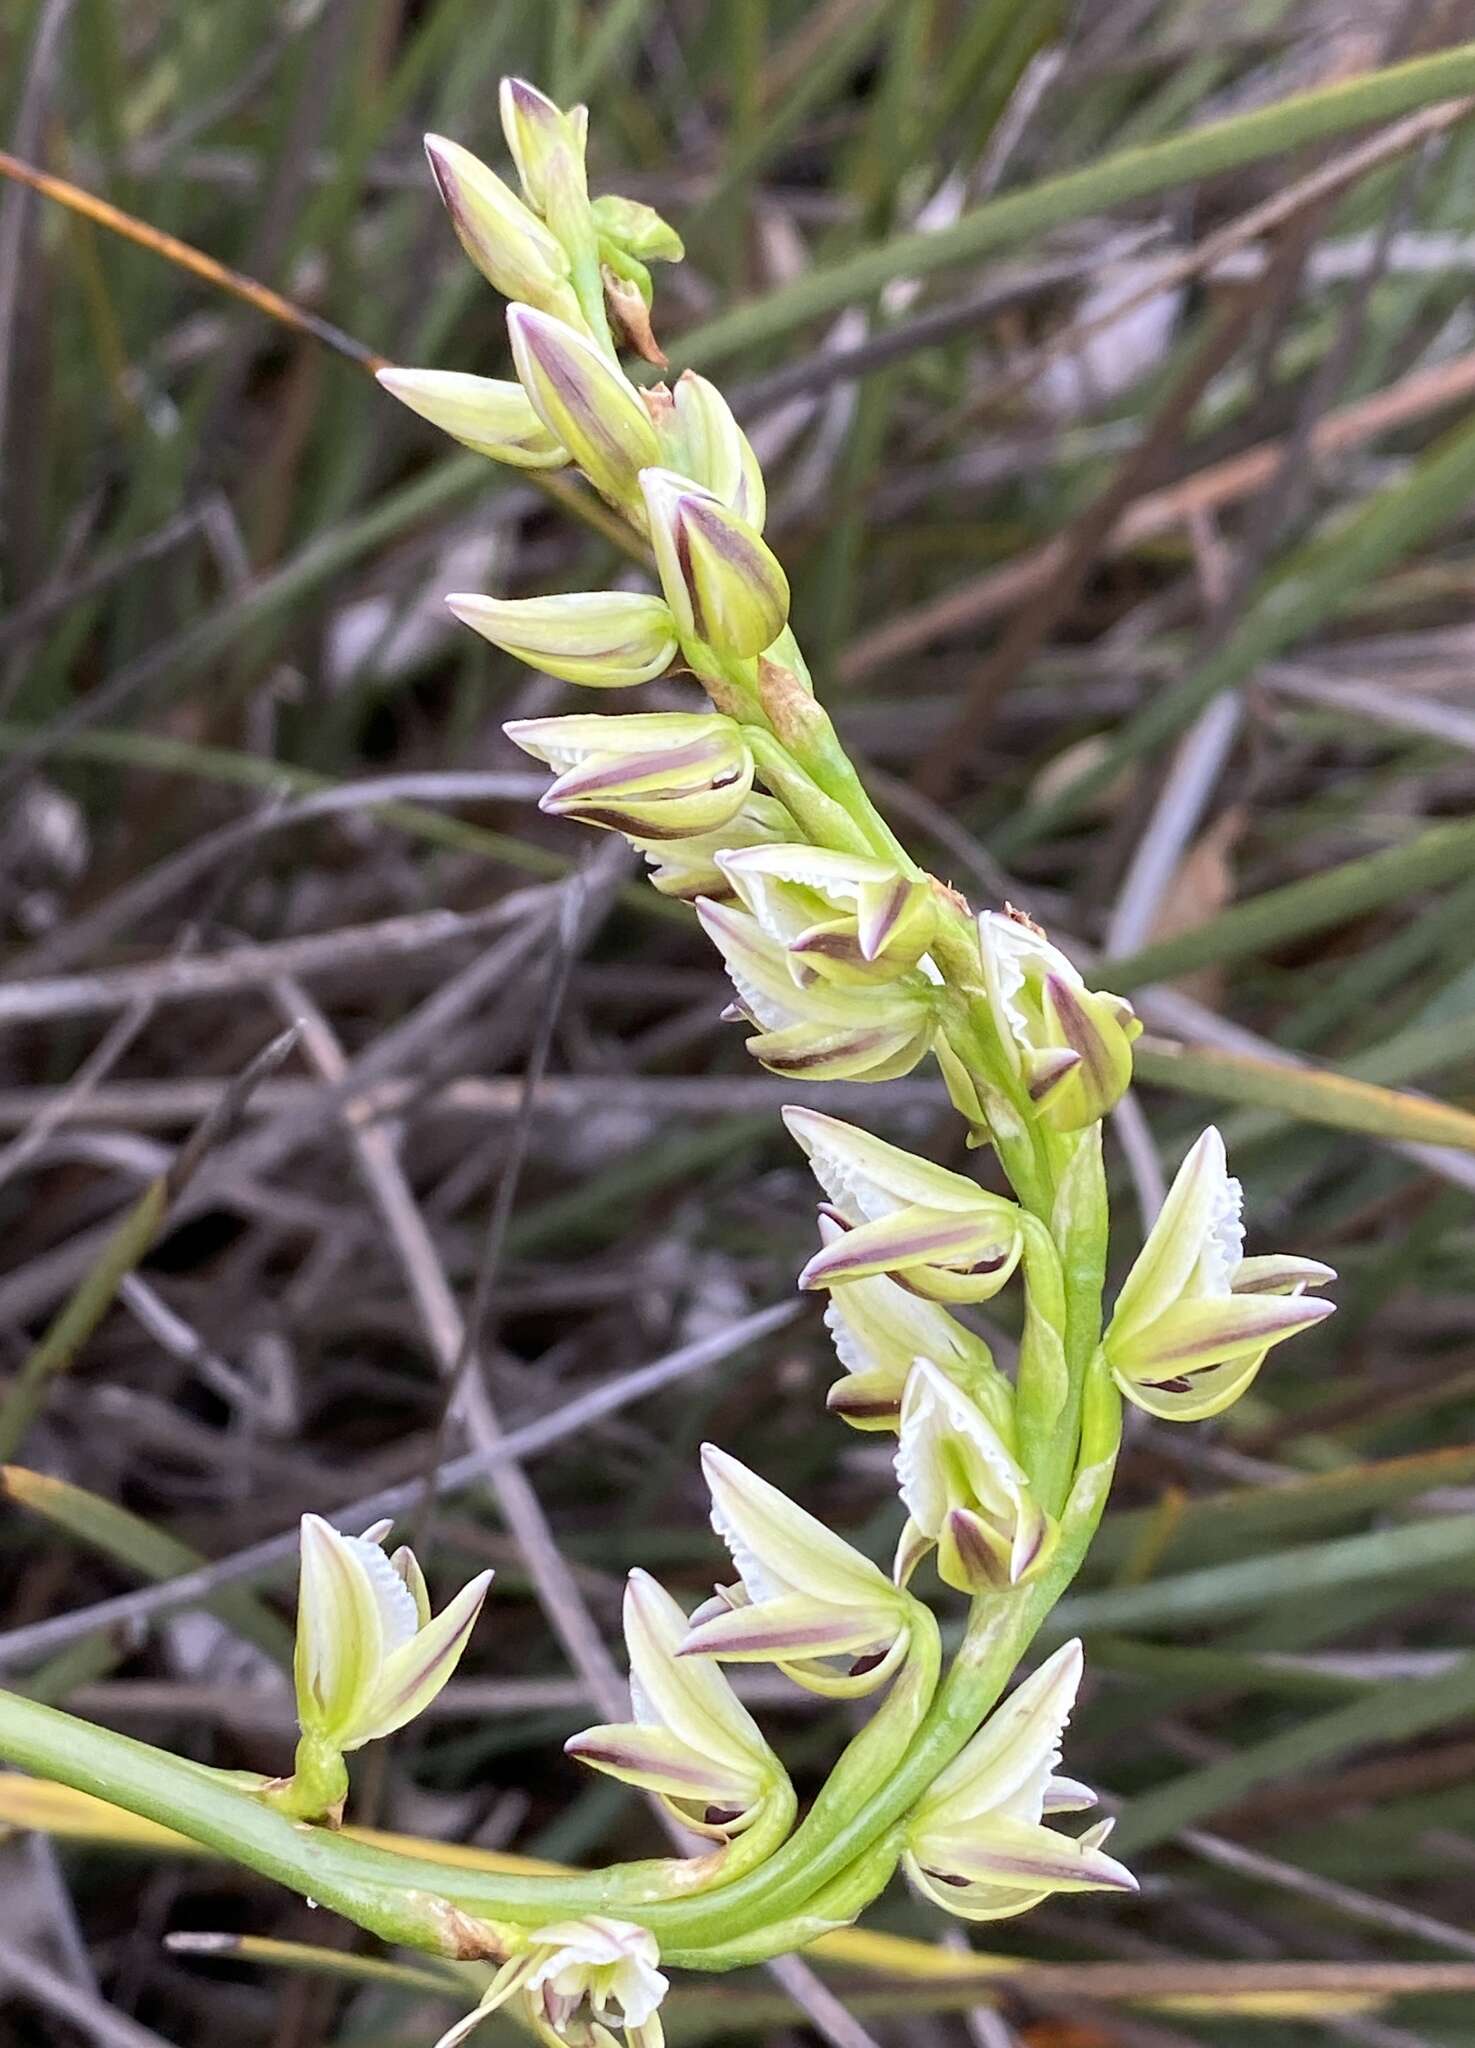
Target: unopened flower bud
(507, 242)
(636, 228)
(723, 583)
(485, 413)
(1071, 1045)
(545, 143)
(656, 775)
(604, 639)
(585, 402)
(703, 441)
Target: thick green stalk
(405, 1899)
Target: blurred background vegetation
(1112, 367)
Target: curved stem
(402, 1898)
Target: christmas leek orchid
(840, 917)
(822, 1032)
(1071, 1047)
(582, 1978)
(937, 1232)
(848, 962)
(370, 1657)
(692, 1741)
(1194, 1318)
(804, 1595)
(879, 1331)
(963, 1490)
(976, 1843)
(656, 775)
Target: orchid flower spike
(880, 1329)
(1194, 1318)
(822, 1032)
(976, 1845)
(840, 917)
(656, 775)
(805, 1594)
(936, 1232)
(692, 1741)
(369, 1655)
(577, 1980)
(963, 1490)
(1071, 1046)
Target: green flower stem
(405, 1899)
(1044, 1390)
(318, 1785)
(842, 1901)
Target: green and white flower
(1194, 1319)
(976, 1844)
(370, 1657)
(936, 1232)
(1071, 1046)
(823, 1032)
(692, 1741)
(658, 775)
(963, 1490)
(805, 1594)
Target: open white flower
(936, 1232)
(963, 1490)
(369, 1655)
(577, 1980)
(1194, 1319)
(692, 1741)
(976, 1845)
(820, 1032)
(879, 1329)
(805, 1595)
(840, 917)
